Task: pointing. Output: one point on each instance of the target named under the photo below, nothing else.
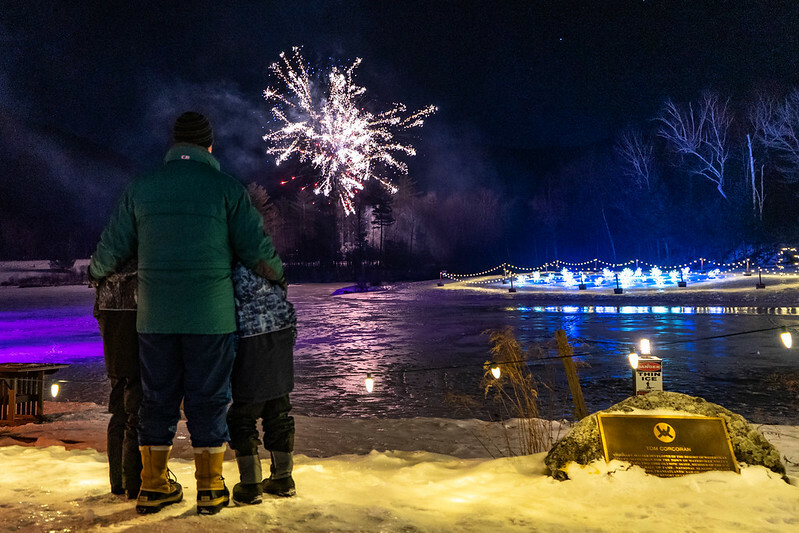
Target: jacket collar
(191, 152)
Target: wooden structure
(566, 353)
(22, 392)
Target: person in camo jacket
(263, 377)
(115, 310)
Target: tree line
(713, 177)
(406, 235)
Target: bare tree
(406, 210)
(700, 135)
(382, 217)
(303, 215)
(549, 209)
(464, 225)
(777, 126)
(637, 157)
(755, 180)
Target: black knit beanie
(192, 127)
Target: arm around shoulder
(250, 243)
(118, 241)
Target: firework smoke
(345, 143)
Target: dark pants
(192, 368)
(278, 426)
(121, 352)
(124, 459)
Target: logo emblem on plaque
(664, 432)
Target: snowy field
(389, 475)
(407, 474)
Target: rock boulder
(583, 444)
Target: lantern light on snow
(785, 336)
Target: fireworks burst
(345, 143)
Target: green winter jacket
(186, 222)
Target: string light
(646, 347)
(659, 275)
(633, 358)
(724, 268)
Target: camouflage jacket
(119, 291)
(261, 307)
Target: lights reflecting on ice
(653, 310)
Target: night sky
(510, 78)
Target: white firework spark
(345, 143)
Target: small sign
(668, 446)
(648, 377)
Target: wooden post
(39, 392)
(12, 402)
(566, 351)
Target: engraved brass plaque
(667, 446)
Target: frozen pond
(425, 348)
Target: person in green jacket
(185, 222)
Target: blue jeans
(192, 368)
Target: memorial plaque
(667, 446)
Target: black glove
(93, 282)
(263, 270)
(283, 284)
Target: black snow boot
(249, 491)
(280, 483)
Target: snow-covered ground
(389, 475)
(404, 474)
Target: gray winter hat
(192, 127)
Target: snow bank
(399, 475)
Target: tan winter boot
(212, 494)
(158, 486)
